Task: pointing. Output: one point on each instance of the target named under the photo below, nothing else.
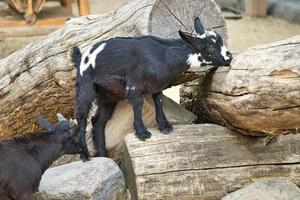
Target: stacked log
(258, 95)
(205, 162)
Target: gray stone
(98, 179)
(269, 189)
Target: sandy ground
(242, 34)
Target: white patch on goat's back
(224, 51)
(91, 58)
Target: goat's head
(65, 131)
(208, 45)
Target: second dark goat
(25, 158)
(128, 68)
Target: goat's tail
(76, 56)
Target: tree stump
(39, 79)
(258, 95)
(204, 162)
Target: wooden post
(29, 16)
(83, 7)
(67, 4)
(256, 8)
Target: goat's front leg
(99, 121)
(163, 124)
(141, 132)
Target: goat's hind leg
(84, 99)
(163, 124)
(99, 120)
(141, 132)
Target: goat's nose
(229, 55)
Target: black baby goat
(24, 159)
(128, 68)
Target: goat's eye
(210, 49)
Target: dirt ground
(242, 34)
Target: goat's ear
(198, 26)
(44, 123)
(187, 38)
(60, 117)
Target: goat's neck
(177, 58)
(46, 152)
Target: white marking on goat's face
(215, 41)
(90, 59)
(212, 33)
(207, 33)
(202, 36)
(224, 52)
(195, 60)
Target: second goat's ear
(186, 37)
(44, 123)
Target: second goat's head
(66, 132)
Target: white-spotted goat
(128, 68)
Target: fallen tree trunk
(40, 77)
(204, 162)
(258, 95)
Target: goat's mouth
(222, 63)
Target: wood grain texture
(258, 95)
(39, 79)
(205, 162)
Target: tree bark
(39, 79)
(258, 95)
(204, 161)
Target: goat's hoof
(166, 128)
(100, 154)
(143, 135)
(85, 156)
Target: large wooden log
(40, 77)
(204, 162)
(121, 124)
(258, 95)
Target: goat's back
(19, 171)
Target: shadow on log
(40, 77)
(204, 162)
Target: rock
(100, 178)
(269, 189)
